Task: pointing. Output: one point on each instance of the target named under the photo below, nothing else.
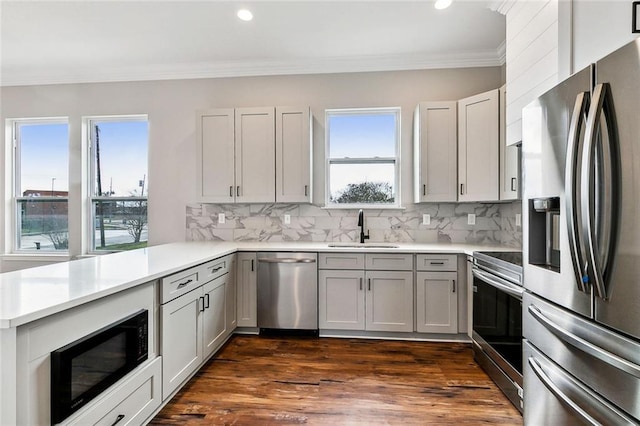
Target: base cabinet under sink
(355, 295)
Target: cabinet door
(255, 155)
(509, 158)
(181, 339)
(215, 141)
(435, 152)
(478, 148)
(214, 315)
(293, 155)
(389, 301)
(341, 299)
(247, 291)
(437, 302)
(231, 294)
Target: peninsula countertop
(30, 294)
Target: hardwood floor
(275, 380)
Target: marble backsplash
(495, 223)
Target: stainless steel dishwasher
(287, 291)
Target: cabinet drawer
(180, 283)
(389, 262)
(216, 268)
(437, 262)
(130, 403)
(341, 261)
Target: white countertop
(31, 294)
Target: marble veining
(495, 223)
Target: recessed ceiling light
(442, 4)
(245, 15)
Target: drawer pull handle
(424, 190)
(120, 417)
(360, 283)
(206, 301)
(306, 192)
(216, 269)
(201, 299)
(513, 184)
(237, 191)
(369, 284)
(462, 189)
(252, 267)
(437, 263)
(185, 283)
(454, 286)
(231, 191)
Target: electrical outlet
(221, 218)
(518, 219)
(426, 219)
(471, 219)
(287, 219)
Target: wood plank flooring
(320, 381)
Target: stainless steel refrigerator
(581, 246)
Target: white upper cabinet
(509, 158)
(215, 135)
(435, 147)
(293, 155)
(254, 155)
(478, 147)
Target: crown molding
(502, 6)
(484, 58)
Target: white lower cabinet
(194, 326)
(370, 300)
(130, 402)
(437, 292)
(389, 301)
(341, 299)
(247, 290)
(437, 302)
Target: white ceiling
(88, 41)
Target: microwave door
(619, 309)
(546, 125)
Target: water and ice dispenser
(544, 232)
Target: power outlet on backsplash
(471, 219)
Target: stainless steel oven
(497, 319)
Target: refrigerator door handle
(606, 412)
(600, 188)
(572, 187)
(584, 345)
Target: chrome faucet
(361, 225)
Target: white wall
(599, 28)
(171, 107)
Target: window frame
(14, 125)
(90, 196)
(363, 160)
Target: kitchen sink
(365, 245)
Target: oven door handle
(498, 283)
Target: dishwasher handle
(286, 260)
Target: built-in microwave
(83, 369)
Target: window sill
(55, 257)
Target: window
(41, 184)
(119, 184)
(362, 157)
